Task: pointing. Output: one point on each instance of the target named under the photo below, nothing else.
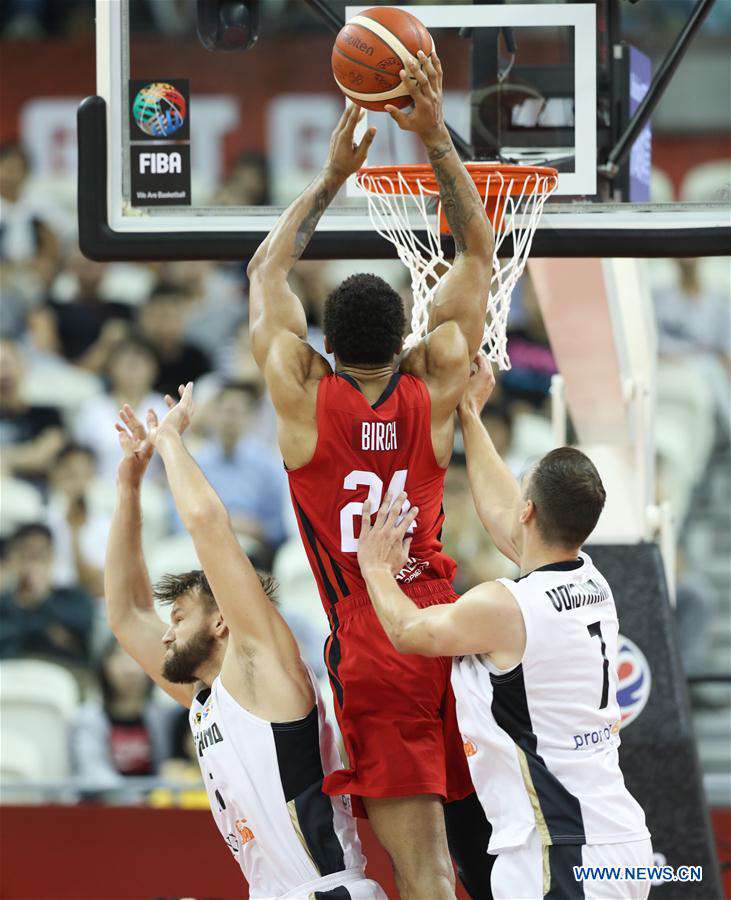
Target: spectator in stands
(83, 327)
(162, 324)
(131, 372)
(29, 249)
(244, 471)
(694, 326)
(122, 733)
(79, 531)
(694, 371)
(37, 618)
(30, 436)
(216, 307)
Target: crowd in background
(78, 339)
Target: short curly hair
(364, 321)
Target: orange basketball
(370, 51)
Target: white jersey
(264, 784)
(542, 738)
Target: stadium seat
(37, 702)
(20, 762)
(22, 503)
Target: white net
(407, 213)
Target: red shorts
(396, 712)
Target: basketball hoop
(404, 200)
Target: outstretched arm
(462, 295)
(482, 621)
(247, 611)
(127, 590)
(495, 490)
(274, 309)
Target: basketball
(370, 51)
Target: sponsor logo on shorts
(245, 833)
(469, 747)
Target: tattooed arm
(462, 294)
(274, 308)
(457, 313)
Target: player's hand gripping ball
(372, 49)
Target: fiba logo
(634, 680)
(159, 109)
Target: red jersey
(367, 452)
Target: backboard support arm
(654, 94)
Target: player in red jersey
(380, 425)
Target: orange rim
(386, 180)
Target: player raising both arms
(376, 425)
(261, 736)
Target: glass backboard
(203, 149)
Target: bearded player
(261, 736)
(383, 424)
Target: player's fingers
(344, 117)
(428, 67)
(407, 545)
(361, 151)
(135, 426)
(121, 429)
(418, 79)
(395, 510)
(383, 511)
(437, 63)
(366, 516)
(170, 401)
(356, 113)
(410, 83)
(399, 117)
(420, 75)
(407, 521)
(152, 421)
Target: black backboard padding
(658, 752)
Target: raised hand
(385, 544)
(345, 156)
(178, 416)
(423, 80)
(479, 387)
(136, 448)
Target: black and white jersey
(264, 784)
(542, 738)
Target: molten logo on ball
(635, 680)
(159, 109)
